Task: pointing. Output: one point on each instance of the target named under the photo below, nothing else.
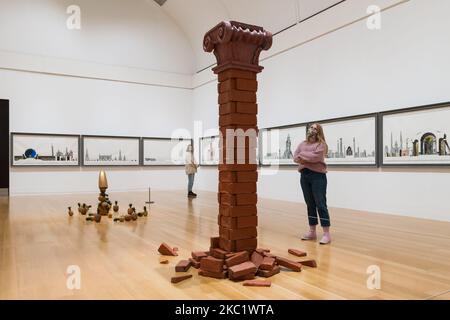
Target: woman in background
(191, 169)
(310, 155)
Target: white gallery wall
(350, 71)
(127, 71)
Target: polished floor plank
(38, 241)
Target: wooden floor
(38, 241)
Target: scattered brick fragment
(166, 250)
(309, 263)
(241, 270)
(216, 275)
(267, 264)
(183, 266)
(289, 264)
(237, 259)
(257, 283)
(211, 264)
(297, 253)
(269, 273)
(257, 259)
(199, 255)
(177, 279)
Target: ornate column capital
(237, 45)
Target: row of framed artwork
(404, 137)
(38, 149)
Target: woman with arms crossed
(310, 155)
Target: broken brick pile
(237, 266)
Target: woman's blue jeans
(190, 181)
(314, 186)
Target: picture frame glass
(418, 137)
(165, 151)
(111, 151)
(351, 141)
(45, 150)
(278, 145)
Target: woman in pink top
(310, 155)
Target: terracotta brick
(257, 283)
(237, 211)
(211, 264)
(166, 250)
(216, 275)
(227, 85)
(241, 270)
(257, 259)
(238, 199)
(237, 95)
(215, 242)
(249, 276)
(239, 156)
(195, 264)
(267, 264)
(218, 253)
(238, 119)
(238, 132)
(309, 263)
(238, 245)
(237, 188)
(246, 107)
(289, 264)
(237, 234)
(262, 250)
(231, 254)
(235, 176)
(238, 258)
(227, 108)
(247, 176)
(268, 273)
(198, 255)
(236, 73)
(246, 85)
(238, 222)
(297, 253)
(177, 279)
(183, 266)
(238, 167)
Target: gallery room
(224, 150)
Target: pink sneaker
(311, 235)
(326, 239)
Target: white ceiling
(196, 17)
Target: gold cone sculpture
(104, 204)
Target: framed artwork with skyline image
(111, 151)
(416, 136)
(277, 145)
(38, 149)
(352, 141)
(164, 151)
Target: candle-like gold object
(104, 204)
(102, 181)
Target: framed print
(111, 151)
(209, 151)
(164, 151)
(277, 145)
(352, 141)
(416, 136)
(37, 149)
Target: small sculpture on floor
(70, 211)
(104, 204)
(116, 207)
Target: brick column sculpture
(237, 47)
